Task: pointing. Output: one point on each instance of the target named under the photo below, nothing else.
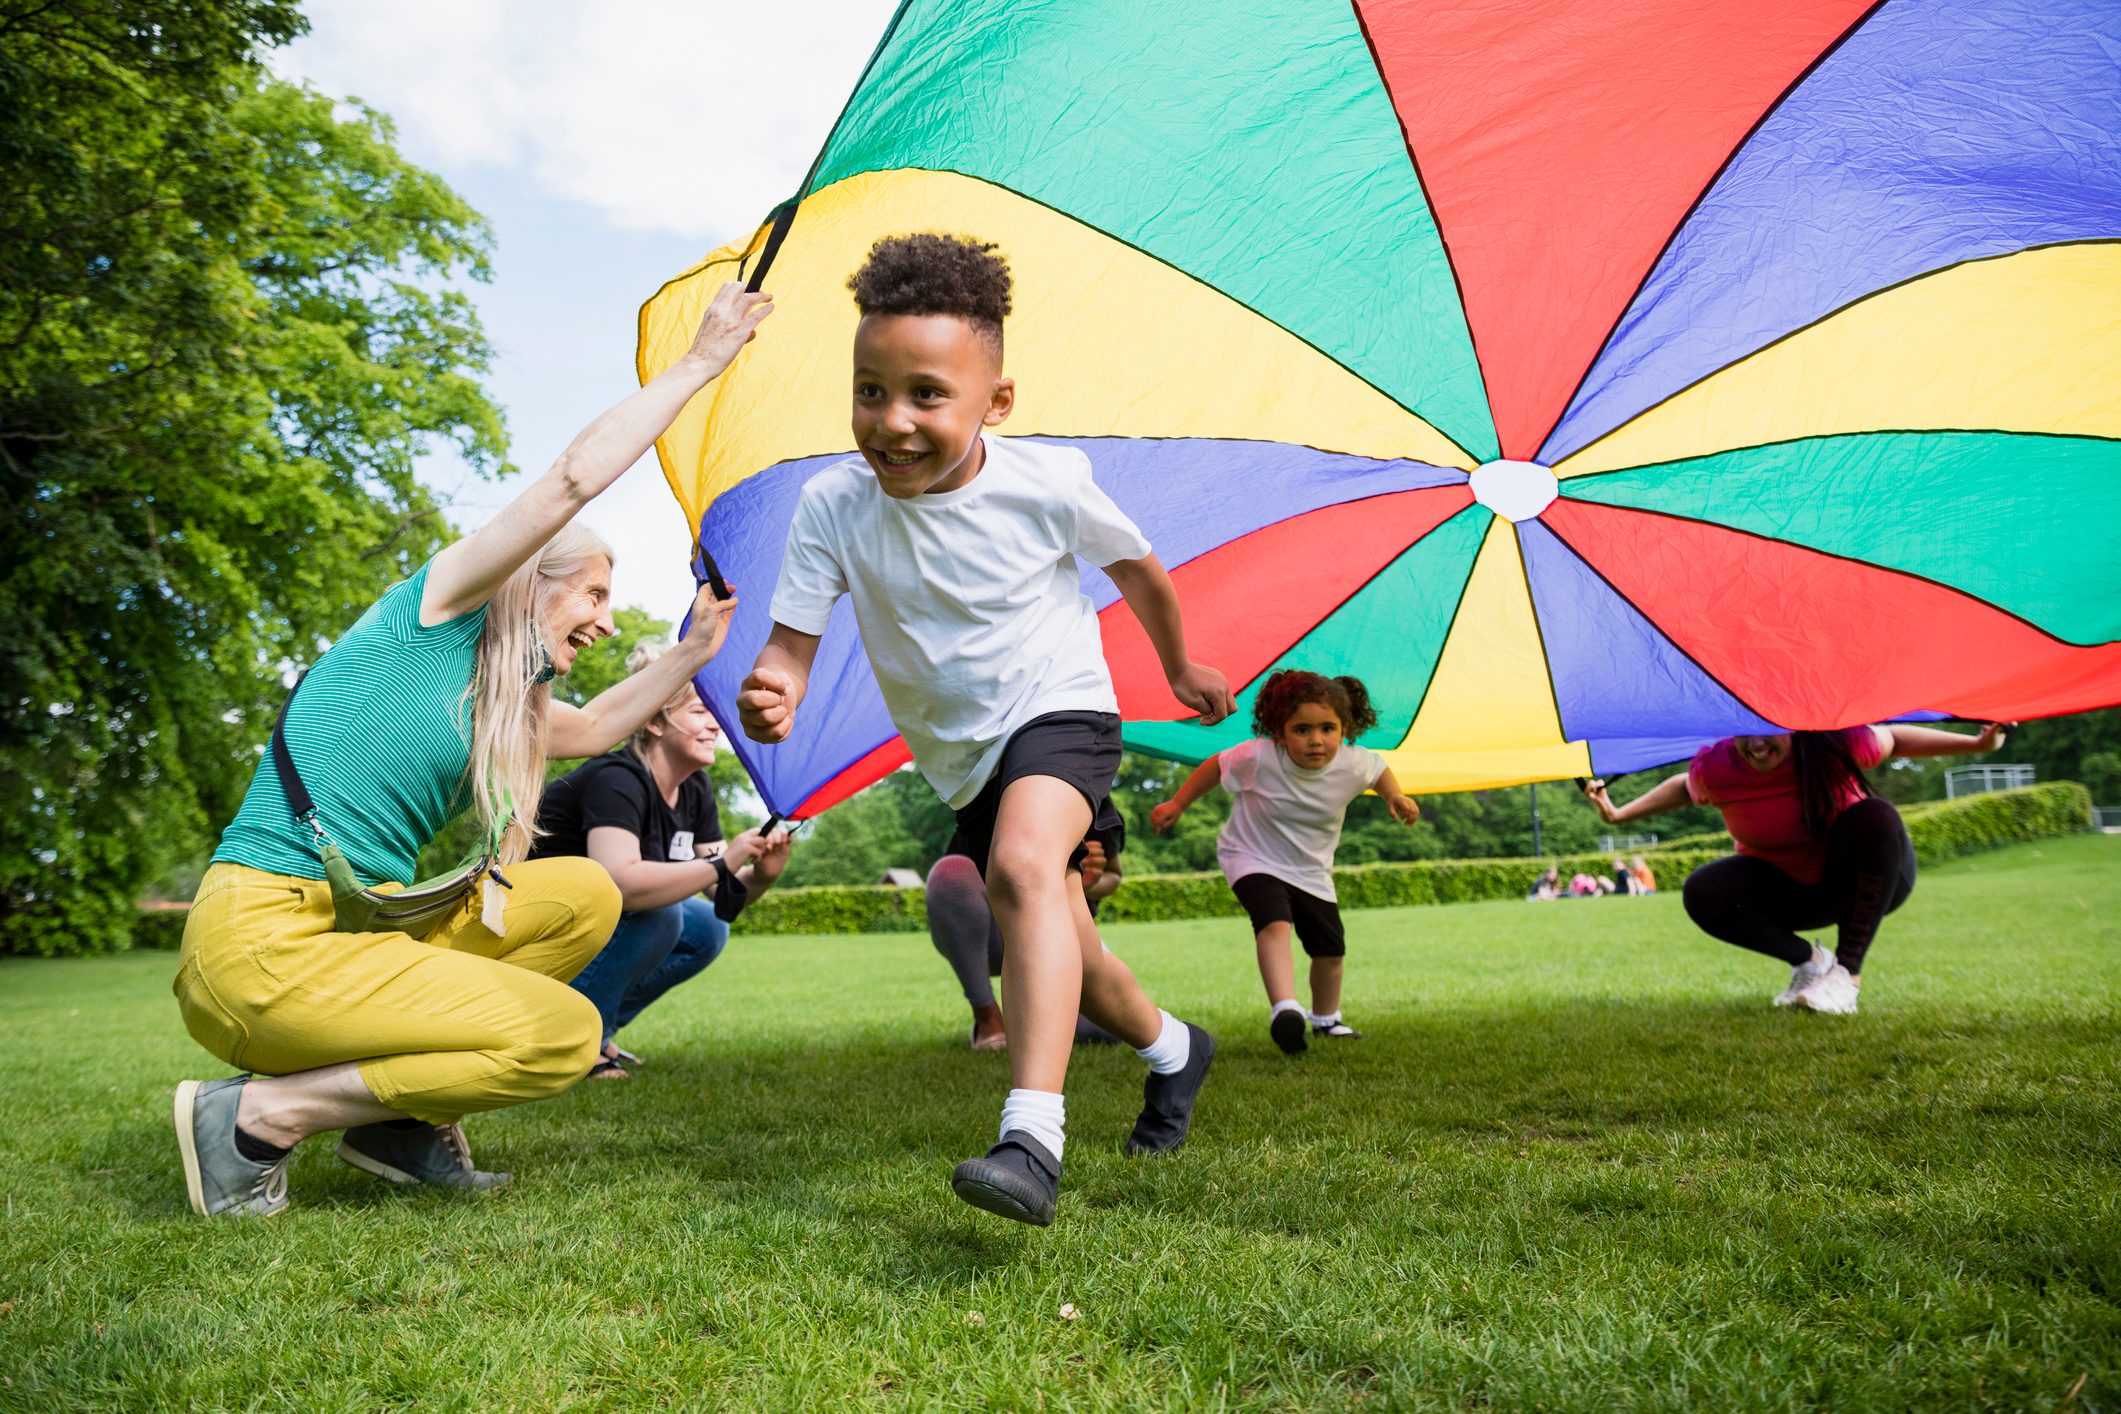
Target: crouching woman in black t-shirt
(646, 813)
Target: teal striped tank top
(381, 732)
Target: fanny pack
(416, 909)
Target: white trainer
(1805, 973)
(1832, 992)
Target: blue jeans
(649, 953)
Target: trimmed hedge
(160, 928)
(1157, 897)
(1947, 829)
(851, 908)
(1940, 830)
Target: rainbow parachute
(1592, 377)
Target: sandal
(608, 1069)
(994, 1041)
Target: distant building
(902, 878)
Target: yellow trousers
(460, 1022)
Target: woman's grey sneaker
(218, 1180)
(1287, 1029)
(1167, 1100)
(436, 1155)
(1339, 1030)
(1832, 991)
(1019, 1178)
(1804, 974)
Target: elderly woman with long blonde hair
(294, 966)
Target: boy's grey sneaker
(1019, 1178)
(1167, 1100)
(436, 1155)
(218, 1180)
(1287, 1029)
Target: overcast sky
(610, 145)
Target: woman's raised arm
(466, 574)
(1905, 740)
(1668, 794)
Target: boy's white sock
(1042, 1114)
(1285, 1004)
(1172, 1048)
(1317, 1020)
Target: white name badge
(681, 845)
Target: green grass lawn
(1578, 1162)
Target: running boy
(959, 551)
(1290, 788)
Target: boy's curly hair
(936, 274)
(1291, 688)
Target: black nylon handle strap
(783, 218)
(713, 572)
(298, 798)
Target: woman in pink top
(1814, 845)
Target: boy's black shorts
(1317, 920)
(1081, 748)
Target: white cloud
(688, 117)
(681, 120)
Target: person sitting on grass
(646, 812)
(959, 552)
(1814, 845)
(962, 927)
(1547, 886)
(1290, 787)
(1645, 880)
(441, 689)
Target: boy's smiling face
(924, 386)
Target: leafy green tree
(2061, 748)
(1142, 783)
(898, 823)
(1372, 836)
(2100, 772)
(852, 843)
(228, 328)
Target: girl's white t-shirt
(1285, 820)
(970, 603)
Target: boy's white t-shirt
(970, 602)
(1285, 820)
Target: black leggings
(962, 926)
(1870, 871)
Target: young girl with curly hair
(1290, 788)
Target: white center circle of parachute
(1514, 490)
